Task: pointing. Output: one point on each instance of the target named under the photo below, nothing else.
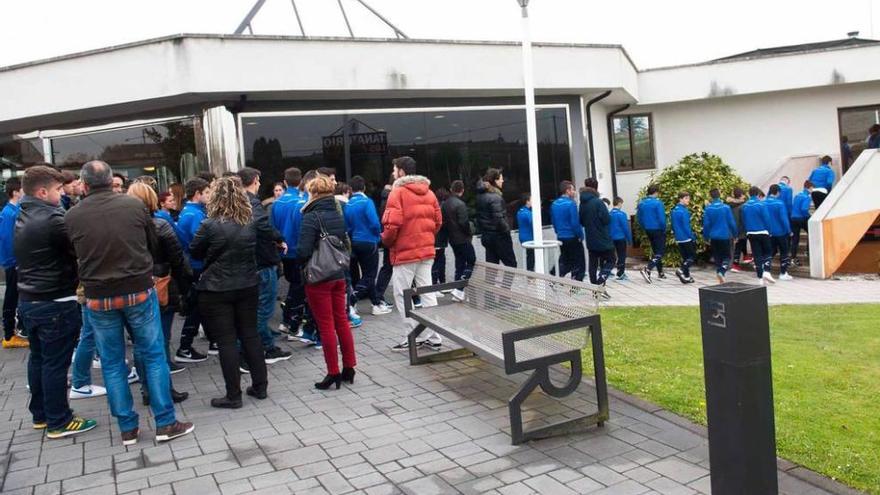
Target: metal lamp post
(532, 136)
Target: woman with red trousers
(327, 298)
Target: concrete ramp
(846, 214)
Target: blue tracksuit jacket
(362, 220)
(620, 226)
(755, 217)
(785, 195)
(524, 224)
(282, 218)
(566, 223)
(800, 208)
(188, 223)
(822, 176)
(7, 228)
(681, 223)
(651, 214)
(718, 222)
(779, 224)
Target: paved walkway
(438, 428)
(671, 292)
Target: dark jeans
(499, 248)
(657, 238)
(739, 250)
(781, 244)
(194, 319)
(231, 316)
(268, 289)
(688, 252)
(384, 277)
(530, 260)
(438, 268)
(571, 259)
(721, 254)
(10, 302)
(797, 224)
(366, 256)
(601, 263)
(761, 251)
(465, 258)
(53, 329)
(294, 303)
(818, 198)
(620, 251)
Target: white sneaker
(446, 291)
(87, 391)
(458, 295)
(769, 277)
(380, 309)
(283, 328)
(133, 376)
(785, 276)
(96, 363)
(352, 313)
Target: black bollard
(739, 389)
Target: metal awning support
(298, 19)
(246, 22)
(397, 32)
(532, 136)
(345, 17)
(248, 19)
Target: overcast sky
(655, 33)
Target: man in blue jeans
(47, 281)
(268, 258)
(116, 272)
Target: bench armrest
(511, 337)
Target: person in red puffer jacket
(410, 223)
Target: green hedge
(696, 174)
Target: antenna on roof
(258, 4)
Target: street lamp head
(523, 3)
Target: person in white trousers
(410, 223)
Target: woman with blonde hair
(168, 262)
(228, 288)
(322, 219)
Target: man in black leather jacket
(268, 259)
(492, 219)
(49, 312)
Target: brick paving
(439, 428)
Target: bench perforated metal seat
(523, 321)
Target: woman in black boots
(322, 215)
(228, 288)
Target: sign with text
(359, 144)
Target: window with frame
(633, 143)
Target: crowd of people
(94, 263)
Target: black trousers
(797, 224)
(438, 269)
(231, 316)
(688, 252)
(530, 260)
(739, 250)
(10, 302)
(465, 257)
(601, 263)
(571, 259)
(761, 251)
(384, 277)
(294, 303)
(499, 248)
(620, 252)
(781, 244)
(818, 198)
(657, 238)
(365, 257)
(194, 319)
(721, 254)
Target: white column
(221, 140)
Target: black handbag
(329, 260)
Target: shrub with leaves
(696, 174)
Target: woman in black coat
(228, 288)
(327, 298)
(168, 259)
(492, 220)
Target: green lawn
(826, 378)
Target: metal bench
(526, 322)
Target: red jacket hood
(416, 184)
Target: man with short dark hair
(651, 215)
(596, 220)
(457, 221)
(116, 272)
(564, 216)
(364, 230)
(719, 228)
(269, 242)
(822, 178)
(47, 281)
(119, 183)
(7, 257)
(191, 217)
(780, 230)
(72, 189)
(756, 221)
(621, 236)
(800, 214)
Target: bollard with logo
(739, 389)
